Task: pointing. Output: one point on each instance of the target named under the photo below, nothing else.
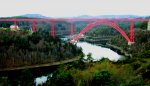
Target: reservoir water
(99, 52)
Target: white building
(12, 27)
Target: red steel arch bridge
(91, 23)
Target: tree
(89, 57)
(26, 78)
(101, 78)
(61, 77)
(4, 81)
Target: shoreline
(41, 65)
(119, 50)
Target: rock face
(148, 27)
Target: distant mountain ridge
(86, 16)
(33, 16)
(111, 16)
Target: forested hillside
(20, 48)
(140, 47)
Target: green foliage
(77, 64)
(61, 77)
(101, 78)
(142, 25)
(144, 54)
(6, 24)
(4, 81)
(103, 73)
(89, 57)
(26, 78)
(102, 31)
(136, 81)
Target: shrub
(61, 77)
(26, 78)
(101, 78)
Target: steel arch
(108, 23)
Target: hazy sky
(67, 8)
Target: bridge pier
(52, 28)
(15, 25)
(33, 26)
(71, 31)
(130, 43)
(132, 31)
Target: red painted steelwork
(71, 31)
(112, 22)
(114, 25)
(132, 31)
(52, 28)
(33, 26)
(15, 25)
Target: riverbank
(41, 65)
(118, 49)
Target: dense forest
(100, 73)
(20, 48)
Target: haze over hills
(85, 16)
(111, 16)
(33, 16)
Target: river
(97, 52)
